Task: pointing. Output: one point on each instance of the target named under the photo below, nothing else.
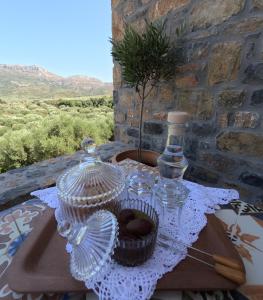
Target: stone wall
(17, 184)
(220, 84)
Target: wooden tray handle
(229, 262)
(231, 274)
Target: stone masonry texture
(219, 82)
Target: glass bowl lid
(93, 243)
(91, 183)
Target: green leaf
(145, 58)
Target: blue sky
(66, 37)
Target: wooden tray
(42, 264)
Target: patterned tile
(247, 235)
(244, 208)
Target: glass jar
(89, 186)
(170, 192)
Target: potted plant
(145, 58)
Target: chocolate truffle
(126, 215)
(139, 227)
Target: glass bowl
(134, 252)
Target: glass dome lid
(93, 243)
(91, 183)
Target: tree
(145, 59)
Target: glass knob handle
(88, 145)
(74, 233)
(91, 153)
(64, 228)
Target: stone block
(196, 51)
(153, 128)
(187, 101)
(132, 118)
(245, 119)
(133, 114)
(115, 97)
(135, 122)
(145, 144)
(197, 174)
(257, 97)
(116, 132)
(160, 116)
(19, 191)
(17, 171)
(117, 26)
(205, 107)
(218, 162)
(145, 1)
(126, 99)
(119, 117)
(207, 13)
(252, 179)
(257, 4)
(190, 148)
(114, 3)
(158, 144)
(203, 34)
(254, 73)
(139, 25)
(222, 120)
(134, 132)
(120, 134)
(205, 145)
(117, 80)
(231, 98)
(161, 7)
(203, 129)
(260, 48)
(189, 81)
(195, 102)
(245, 143)
(165, 92)
(147, 114)
(244, 26)
(224, 63)
(188, 68)
(36, 173)
(128, 7)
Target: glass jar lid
(91, 183)
(93, 243)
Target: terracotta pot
(149, 158)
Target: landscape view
(44, 115)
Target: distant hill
(34, 82)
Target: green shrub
(51, 136)
(3, 130)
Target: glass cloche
(89, 186)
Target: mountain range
(34, 82)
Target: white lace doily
(117, 282)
